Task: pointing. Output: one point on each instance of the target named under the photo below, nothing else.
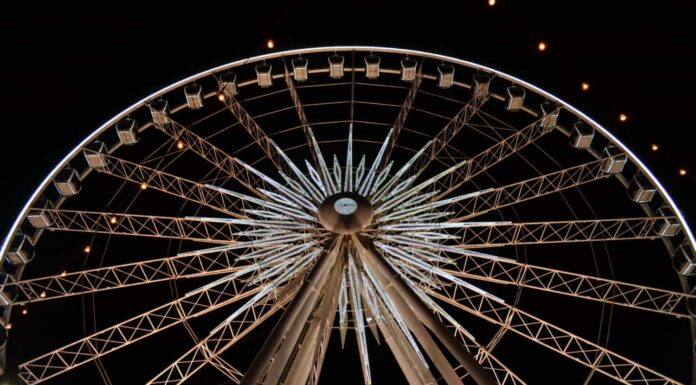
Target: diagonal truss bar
(508, 271)
(403, 112)
(449, 131)
(484, 160)
(300, 114)
(212, 154)
(211, 230)
(172, 184)
(255, 131)
(532, 188)
(185, 265)
(505, 234)
(80, 352)
(551, 336)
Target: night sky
(65, 74)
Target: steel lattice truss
(267, 251)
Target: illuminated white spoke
(263, 223)
(366, 186)
(430, 235)
(551, 336)
(323, 169)
(358, 318)
(561, 232)
(169, 184)
(359, 173)
(316, 194)
(315, 177)
(343, 307)
(294, 185)
(80, 352)
(425, 226)
(492, 199)
(348, 185)
(386, 191)
(280, 208)
(429, 217)
(414, 205)
(295, 197)
(337, 173)
(267, 214)
(507, 271)
(271, 259)
(381, 177)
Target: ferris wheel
(343, 213)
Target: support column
(394, 281)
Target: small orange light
(585, 86)
(25, 311)
(180, 144)
(8, 326)
(221, 97)
(43, 294)
(143, 186)
(654, 147)
(491, 2)
(541, 46)
(113, 220)
(623, 117)
(682, 171)
(270, 44)
(88, 248)
(63, 273)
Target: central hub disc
(345, 213)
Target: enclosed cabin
(228, 84)
(194, 96)
(515, 98)
(684, 260)
(21, 250)
(264, 76)
(614, 161)
(582, 135)
(481, 83)
(127, 131)
(38, 216)
(409, 67)
(549, 114)
(640, 190)
(336, 66)
(670, 226)
(300, 70)
(95, 154)
(67, 182)
(445, 75)
(8, 293)
(372, 66)
(159, 109)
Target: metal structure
(272, 194)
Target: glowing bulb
(654, 147)
(623, 117)
(43, 294)
(682, 171)
(180, 144)
(63, 273)
(113, 220)
(143, 186)
(270, 44)
(542, 46)
(25, 311)
(221, 97)
(585, 86)
(491, 2)
(88, 248)
(8, 326)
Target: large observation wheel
(344, 214)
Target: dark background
(64, 74)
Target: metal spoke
(171, 184)
(508, 271)
(551, 336)
(211, 230)
(198, 302)
(300, 113)
(403, 112)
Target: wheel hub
(345, 213)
